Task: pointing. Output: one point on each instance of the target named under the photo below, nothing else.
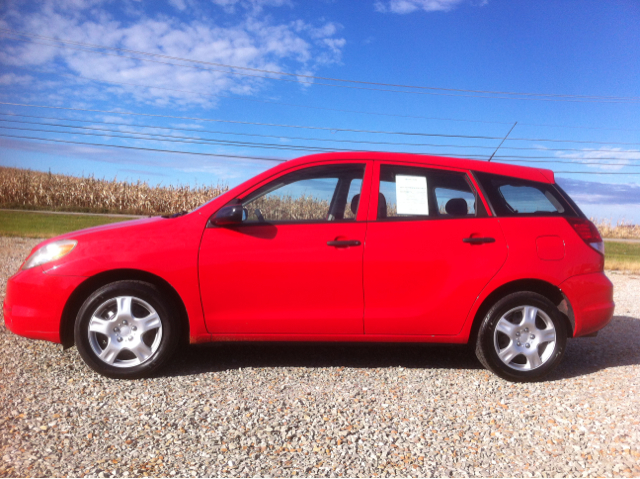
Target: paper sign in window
(411, 195)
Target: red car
(333, 247)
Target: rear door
(295, 264)
(431, 248)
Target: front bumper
(591, 298)
(34, 303)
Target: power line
(531, 96)
(163, 138)
(146, 149)
(314, 77)
(339, 110)
(318, 128)
(271, 102)
(595, 173)
(173, 139)
(277, 136)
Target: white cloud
(178, 4)
(254, 5)
(605, 158)
(12, 79)
(253, 41)
(409, 6)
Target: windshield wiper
(175, 215)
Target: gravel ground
(322, 410)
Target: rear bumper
(591, 298)
(34, 303)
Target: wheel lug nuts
(116, 330)
(526, 330)
(130, 338)
(517, 334)
(125, 322)
(527, 345)
(533, 336)
(133, 328)
(119, 339)
(519, 343)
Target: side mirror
(229, 216)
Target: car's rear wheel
(522, 337)
(126, 330)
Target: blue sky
(442, 76)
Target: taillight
(588, 232)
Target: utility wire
(314, 77)
(147, 149)
(530, 96)
(190, 140)
(339, 110)
(318, 128)
(200, 140)
(436, 145)
(271, 102)
(242, 157)
(172, 139)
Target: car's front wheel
(126, 330)
(522, 337)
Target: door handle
(343, 243)
(479, 240)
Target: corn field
(35, 190)
(621, 229)
(26, 189)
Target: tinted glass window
(527, 199)
(322, 193)
(411, 192)
(514, 197)
(443, 195)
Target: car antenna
(514, 125)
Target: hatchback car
(375, 247)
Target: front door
(431, 248)
(294, 266)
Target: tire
(522, 338)
(126, 330)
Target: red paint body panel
(34, 302)
(407, 281)
(282, 279)
(524, 263)
(550, 248)
(167, 248)
(591, 297)
(420, 278)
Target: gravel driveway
(322, 410)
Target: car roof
(522, 172)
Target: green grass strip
(43, 225)
(625, 250)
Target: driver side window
(320, 193)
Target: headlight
(50, 252)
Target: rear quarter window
(514, 197)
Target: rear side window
(408, 192)
(515, 197)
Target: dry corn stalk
(621, 229)
(35, 190)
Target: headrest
(354, 204)
(382, 206)
(456, 207)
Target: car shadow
(218, 357)
(615, 346)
